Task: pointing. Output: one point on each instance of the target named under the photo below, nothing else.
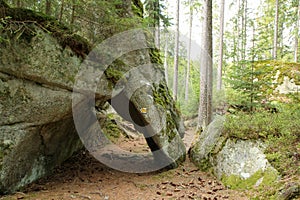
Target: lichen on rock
(237, 163)
(39, 63)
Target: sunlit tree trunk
(238, 48)
(62, 7)
(245, 29)
(166, 61)
(73, 12)
(176, 52)
(157, 22)
(187, 78)
(296, 45)
(205, 106)
(275, 41)
(219, 75)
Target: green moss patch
(20, 21)
(259, 179)
(111, 129)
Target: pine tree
(205, 105)
(176, 53)
(219, 76)
(186, 96)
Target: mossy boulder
(39, 63)
(237, 163)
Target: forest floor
(83, 177)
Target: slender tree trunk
(176, 52)
(73, 12)
(19, 3)
(157, 22)
(187, 78)
(242, 31)
(275, 41)
(245, 29)
(157, 35)
(238, 32)
(219, 76)
(166, 61)
(252, 70)
(210, 62)
(205, 107)
(62, 7)
(48, 7)
(297, 33)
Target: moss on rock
(258, 179)
(21, 20)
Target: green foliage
(154, 13)
(190, 107)
(252, 83)
(20, 23)
(279, 130)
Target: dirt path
(83, 177)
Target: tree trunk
(176, 52)
(219, 76)
(73, 12)
(186, 96)
(275, 42)
(157, 22)
(166, 61)
(205, 107)
(62, 7)
(48, 7)
(238, 32)
(245, 29)
(19, 3)
(297, 33)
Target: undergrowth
(281, 133)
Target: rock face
(37, 129)
(36, 126)
(238, 163)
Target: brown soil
(83, 177)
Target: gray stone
(238, 163)
(37, 129)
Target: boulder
(237, 163)
(41, 109)
(37, 131)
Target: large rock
(238, 163)
(37, 129)
(132, 90)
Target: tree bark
(205, 106)
(166, 61)
(157, 22)
(176, 52)
(62, 7)
(220, 68)
(187, 78)
(48, 7)
(73, 12)
(275, 41)
(296, 45)
(19, 3)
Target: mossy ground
(280, 132)
(268, 178)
